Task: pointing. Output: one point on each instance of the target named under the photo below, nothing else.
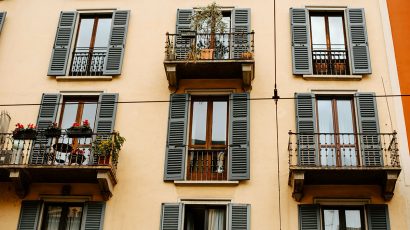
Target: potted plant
(52, 131)
(104, 148)
(76, 156)
(21, 133)
(77, 130)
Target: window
(349, 218)
(78, 109)
(205, 217)
(62, 216)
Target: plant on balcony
(104, 148)
(52, 131)
(77, 130)
(76, 156)
(21, 133)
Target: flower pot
(103, 159)
(50, 133)
(246, 55)
(76, 159)
(76, 133)
(25, 134)
(206, 54)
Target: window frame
(206, 207)
(342, 215)
(63, 218)
(81, 99)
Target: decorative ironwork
(207, 165)
(330, 62)
(88, 61)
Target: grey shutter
(29, 215)
(306, 127)
(239, 216)
(171, 216)
(107, 109)
(116, 44)
(62, 43)
(241, 24)
(46, 116)
(2, 18)
(239, 136)
(371, 150)
(309, 217)
(358, 43)
(176, 141)
(301, 50)
(183, 45)
(93, 216)
(378, 217)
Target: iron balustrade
(88, 61)
(330, 62)
(207, 165)
(343, 150)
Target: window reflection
(219, 115)
(199, 122)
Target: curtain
(216, 219)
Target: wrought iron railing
(330, 62)
(206, 46)
(343, 150)
(88, 61)
(207, 165)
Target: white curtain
(216, 219)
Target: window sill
(333, 77)
(84, 78)
(209, 182)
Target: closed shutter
(116, 44)
(309, 217)
(2, 18)
(239, 136)
(301, 50)
(46, 116)
(93, 216)
(239, 216)
(62, 44)
(378, 217)
(241, 24)
(306, 127)
(29, 215)
(171, 216)
(176, 141)
(369, 128)
(358, 42)
(183, 45)
(107, 109)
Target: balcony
(60, 159)
(207, 165)
(191, 55)
(88, 61)
(343, 159)
(330, 62)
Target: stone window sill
(333, 77)
(192, 182)
(84, 78)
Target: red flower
(86, 123)
(19, 126)
(75, 124)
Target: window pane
(346, 128)
(103, 32)
(69, 115)
(219, 119)
(318, 32)
(85, 32)
(327, 137)
(198, 133)
(353, 221)
(331, 219)
(337, 38)
(89, 112)
(74, 218)
(53, 217)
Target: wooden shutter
(62, 43)
(358, 42)
(2, 18)
(93, 216)
(107, 109)
(239, 136)
(29, 215)
(306, 127)
(309, 217)
(46, 116)
(241, 23)
(369, 128)
(301, 50)
(183, 45)
(176, 141)
(116, 44)
(378, 217)
(171, 216)
(239, 216)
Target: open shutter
(46, 116)
(29, 215)
(241, 25)
(239, 136)
(171, 216)
(239, 216)
(358, 47)
(309, 217)
(183, 45)
(371, 150)
(107, 108)
(301, 50)
(378, 217)
(2, 18)
(93, 216)
(306, 127)
(116, 44)
(62, 43)
(176, 141)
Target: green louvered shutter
(183, 45)
(176, 141)
(2, 18)
(93, 216)
(171, 216)
(107, 109)
(29, 215)
(239, 216)
(309, 217)
(301, 50)
(46, 116)
(239, 136)
(241, 24)
(306, 127)
(62, 43)
(359, 47)
(378, 217)
(116, 44)
(371, 150)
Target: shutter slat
(239, 216)
(107, 109)
(171, 216)
(301, 50)
(2, 19)
(309, 217)
(378, 217)
(93, 217)
(29, 215)
(241, 23)
(183, 23)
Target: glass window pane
(53, 217)
(219, 119)
(325, 117)
(336, 33)
(85, 32)
(89, 112)
(318, 32)
(353, 221)
(74, 218)
(103, 33)
(69, 115)
(198, 133)
(331, 219)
